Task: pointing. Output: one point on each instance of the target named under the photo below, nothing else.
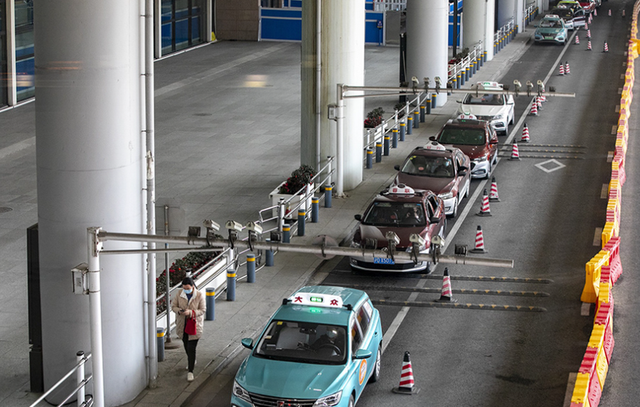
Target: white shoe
(189, 377)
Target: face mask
(188, 291)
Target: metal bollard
(423, 109)
(458, 82)
(473, 67)
(394, 140)
(454, 83)
(434, 98)
(378, 152)
(80, 374)
(403, 128)
(211, 304)
(286, 234)
(268, 261)
(160, 343)
(369, 158)
(302, 215)
(466, 74)
(387, 141)
(409, 124)
(461, 76)
(428, 104)
(315, 209)
(416, 119)
(328, 191)
(231, 285)
(484, 57)
(251, 268)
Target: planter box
(289, 208)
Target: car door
(492, 137)
(360, 369)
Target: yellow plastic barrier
(592, 278)
(607, 232)
(581, 391)
(602, 367)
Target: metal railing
(474, 55)
(81, 382)
(499, 38)
(389, 5)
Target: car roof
(466, 123)
(449, 151)
(418, 197)
(320, 314)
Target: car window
(441, 167)
(395, 214)
(459, 136)
(356, 335)
(460, 159)
(486, 99)
(364, 318)
(430, 209)
(303, 342)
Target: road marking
(614, 129)
(397, 321)
(617, 108)
(585, 310)
(17, 147)
(557, 165)
(622, 75)
(610, 156)
(619, 91)
(571, 383)
(447, 304)
(597, 236)
(604, 192)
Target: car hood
(378, 233)
(479, 110)
(435, 184)
(548, 31)
(472, 151)
(289, 379)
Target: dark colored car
(443, 170)
(477, 139)
(404, 211)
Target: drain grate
(4, 209)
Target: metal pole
(95, 312)
(340, 142)
(80, 378)
(394, 140)
(318, 78)
(167, 295)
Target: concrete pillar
(478, 21)
(342, 57)
(489, 27)
(506, 11)
(427, 33)
(520, 15)
(90, 173)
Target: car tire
(375, 376)
(352, 401)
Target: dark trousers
(190, 348)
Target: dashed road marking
(610, 156)
(604, 192)
(614, 129)
(597, 237)
(617, 108)
(571, 383)
(585, 309)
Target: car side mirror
(462, 168)
(432, 138)
(462, 173)
(434, 219)
(362, 354)
(358, 217)
(458, 101)
(493, 141)
(396, 167)
(247, 343)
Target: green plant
(374, 118)
(299, 178)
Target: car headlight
(355, 244)
(240, 392)
(481, 159)
(446, 195)
(328, 401)
(497, 117)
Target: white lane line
(585, 309)
(610, 156)
(604, 192)
(614, 129)
(571, 383)
(597, 237)
(397, 321)
(622, 75)
(617, 108)
(17, 147)
(619, 91)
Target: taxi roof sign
(490, 85)
(434, 145)
(466, 116)
(401, 189)
(316, 300)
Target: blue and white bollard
(403, 128)
(315, 209)
(211, 304)
(231, 285)
(268, 261)
(286, 234)
(251, 268)
(328, 192)
(394, 139)
(302, 216)
(387, 142)
(160, 343)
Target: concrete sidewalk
(221, 146)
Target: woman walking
(190, 307)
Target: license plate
(383, 260)
(549, 38)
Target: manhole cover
(4, 209)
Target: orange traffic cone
(561, 70)
(589, 34)
(407, 384)
(586, 26)
(446, 294)
(567, 70)
(485, 210)
(534, 108)
(493, 194)
(589, 46)
(595, 12)
(515, 155)
(479, 245)
(525, 134)
(577, 39)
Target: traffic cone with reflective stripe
(561, 70)
(485, 210)
(493, 194)
(589, 34)
(525, 134)
(595, 12)
(446, 294)
(589, 46)
(534, 108)
(567, 70)
(479, 245)
(577, 39)
(515, 155)
(407, 385)
(539, 102)
(606, 47)
(609, 12)
(586, 26)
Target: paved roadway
(546, 221)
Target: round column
(506, 11)
(427, 39)
(489, 27)
(90, 173)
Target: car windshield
(303, 342)
(441, 167)
(466, 137)
(550, 24)
(485, 99)
(395, 214)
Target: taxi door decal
(362, 372)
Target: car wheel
(376, 367)
(352, 402)
(455, 209)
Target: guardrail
(504, 35)
(81, 382)
(460, 72)
(604, 269)
(389, 5)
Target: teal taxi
(319, 349)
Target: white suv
(497, 109)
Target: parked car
(588, 5)
(404, 211)
(497, 109)
(551, 29)
(434, 167)
(476, 138)
(320, 348)
(574, 4)
(572, 18)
